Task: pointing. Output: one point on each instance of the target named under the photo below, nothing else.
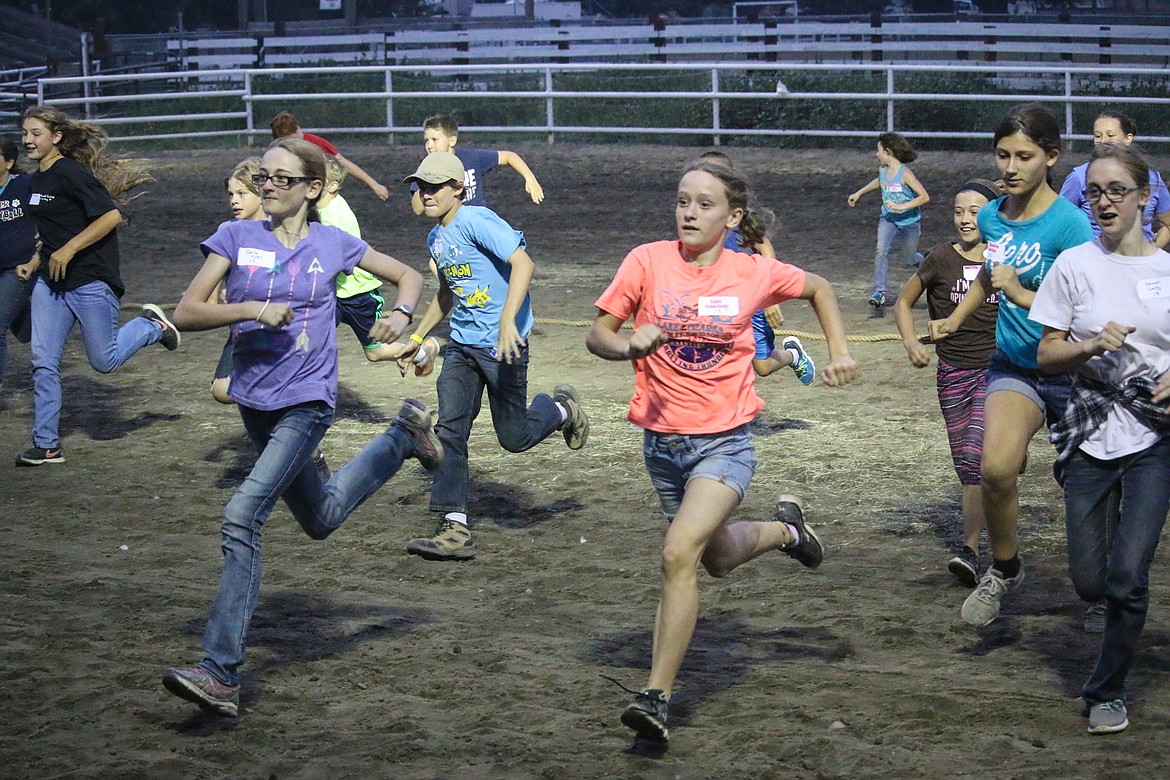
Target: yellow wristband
(417, 339)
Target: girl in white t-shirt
(1105, 308)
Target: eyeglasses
(280, 182)
(1115, 193)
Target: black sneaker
(965, 566)
(808, 550)
(416, 420)
(171, 336)
(576, 427)
(646, 715)
(35, 456)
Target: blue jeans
(286, 439)
(466, 372)
(674, 459)
(901, 243)
(14, 309)
(107, 346)
(1114, 512)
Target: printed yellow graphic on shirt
(479, 297)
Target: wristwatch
(407, 310)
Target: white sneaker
(982, 606)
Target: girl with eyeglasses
(1105, 309)
(1025, 230)
(1114, 127)
(72, 200)
(280, 277)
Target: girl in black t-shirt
(18, 237)
(72, 201)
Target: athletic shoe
(647, 715)
(35, 456)
(1095, 618)
(808, 550)
(171, 336)
(878, 299)
(431, 346)
(1108, 717)
(195, 684)
(576, 427)
(322, 467)
(451, 542)
(416, 420)
(965, 566)
(982, 606)
(804, 368)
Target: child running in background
(359, 304)
(19, 259)
(484, 272)
(441, 133)
(694, 395)
(1103, 308)
(286, 125)
(945, 275)
(280, 277)
(71, 199)
(751, 236)
(1114, 127)
(1025, 230)
(244, 201)
(900, 223)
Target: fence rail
(239, 95)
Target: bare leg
(1011, 420)
(973, 520)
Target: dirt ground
(365, 662)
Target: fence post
(889, 99)
(715, 123)
(248, 105)
(86, 62)
(1068, 109)
(390, 103)
(549, 117)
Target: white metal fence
(239, 102)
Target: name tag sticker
(34, 199)
(259, 258)
(1148, 289)
(718, 306)
(894, 186)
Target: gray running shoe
(647, 715)
(808, 550)
(451, 542)
(982, 606)
(195, 684)
(1108, 717)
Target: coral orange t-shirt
(701, 380)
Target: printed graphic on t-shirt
(11, 210)
(695, 342)
(470, 185)
(963, 284)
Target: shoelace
(990, 588)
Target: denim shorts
(1048, 391)
(674, 459)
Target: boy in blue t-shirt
(483, 272)
(440, 134)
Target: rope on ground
(800, 334)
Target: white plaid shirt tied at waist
(1089, 405)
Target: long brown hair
(87, 144)
(756, 221)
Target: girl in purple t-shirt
(280, 298)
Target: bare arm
(873, 185)
(416, 204)
(510, 342)
(95, 231)
(605, 340)
(409, 283)
(1162, 230)
(356, 171)
(980, 289)
(1056, 354)
(842, 369)
(516, 163)
(194, 312)
(904, 319)
(922, 199)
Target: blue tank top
(894, 190)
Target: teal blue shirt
(1030, 246)
(894, 190)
